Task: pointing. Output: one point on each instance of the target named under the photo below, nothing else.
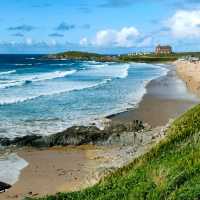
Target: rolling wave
(49, 76)
(32, 58)
(81, 86)
(8, 72)
(110, 71)
(22, 64)
(36, 78)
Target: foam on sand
(10, 168)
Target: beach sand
(190, 73)
(54, 170)
(71, 168)
(166, 98)
(66, 169)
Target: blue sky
(104, 26)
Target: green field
(171, 170)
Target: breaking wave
(34, 78)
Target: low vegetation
(149, 58)
(77, 55)
(171, 170)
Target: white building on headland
(138, 53)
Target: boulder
(4, 186)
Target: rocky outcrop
(78, 135)
(4, 187)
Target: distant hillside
(151, 57)
(78, 55)
(171, 170)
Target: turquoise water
(44, 97)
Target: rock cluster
(78, 135)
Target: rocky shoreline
(109, 149)
(79, 135)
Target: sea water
(40, 96)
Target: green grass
(170, 171)
(149, 58)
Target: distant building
(163, 49)
(138, 54)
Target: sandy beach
(66, 169)
(54, 170)
(73, 168)
(190, 73)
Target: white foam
(10, 168)
(61, 64)
(71, 87)
(35, 78)
(22, 64)
(108, 70)
(49, 76)
(8, 72)
(31, 58)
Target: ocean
(43, 97)
(40, 96)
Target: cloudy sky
(104, 26)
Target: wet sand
(166, 98)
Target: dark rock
(4, 187)
(5, 141)
(134, 126)
(76, 135)
(26, 140)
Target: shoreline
(159, 95)
(88, 163)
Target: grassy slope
(171, 170)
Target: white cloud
(146, 42)
(84, 41)
(105, 38)
(185, 24)
(29, 41)
(125, 37)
